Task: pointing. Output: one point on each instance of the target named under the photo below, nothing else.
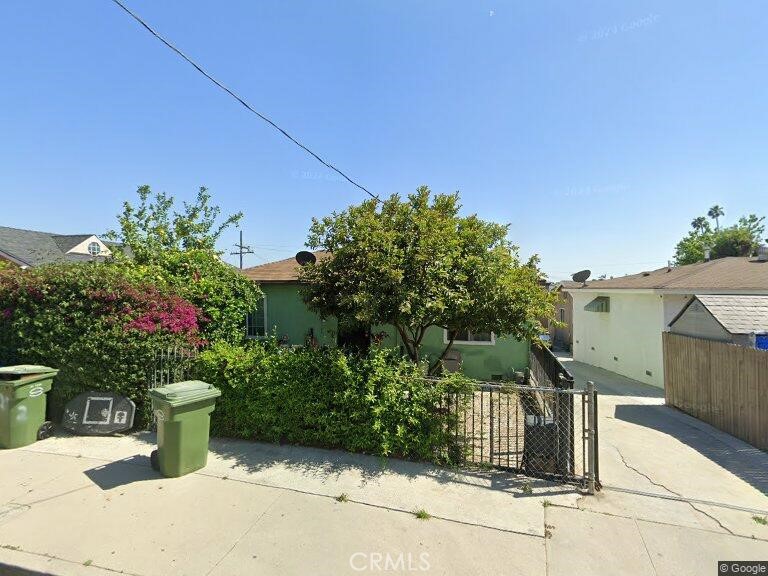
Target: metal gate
(538, 431)
(531, 426)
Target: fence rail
(546, 369)
(540, 431)
(170, 365)
(722, 384)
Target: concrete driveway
(678, 497)
(679, 483)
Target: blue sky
(598, 130)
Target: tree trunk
(436, 365)
(410, 349)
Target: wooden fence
(722, 384)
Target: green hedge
(99, 324)
(379, 405)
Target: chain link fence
(538, 425)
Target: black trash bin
(540, 442)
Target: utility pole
(242, 249)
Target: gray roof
(34, 248)
(726, 274)
(738, 314)
(67, 242)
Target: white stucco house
(618, 323)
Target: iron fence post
(597, 445)
(490, 435)
(591, 448)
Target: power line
(239, 99)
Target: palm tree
(715, 212)
(699, 224)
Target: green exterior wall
(287, 316)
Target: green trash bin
(183, 412)
(22, 404)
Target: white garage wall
(626, 340)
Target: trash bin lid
(24, 373)
(184, 392)
(25, 370)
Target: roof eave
(689, 290)
(14, 259)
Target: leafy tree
(733, 241)
(178, 248)
(753, 224)
(692, 248)
(417, 264)
(154, 227)
(715, 212)
(741, 239)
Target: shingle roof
(281, 271)
(67, 242)
(568, 285)
(732, 273)
(738, 314)
(35, 248)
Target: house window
(256, 321)
(599, 304)
(469, 337)
(94, 248)
(562, 314)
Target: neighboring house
(284, 315)
(28, 248)
(562, 336)
(618, 323)
(734, 318)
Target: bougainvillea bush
(99, 324)
(380, 404)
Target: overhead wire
(250, 108)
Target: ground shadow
(123, 472)
(329, 465)
(18, 571)
(745, 461)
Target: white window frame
(98, 246)
(491, 342)
(266, 330)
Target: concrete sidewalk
(72, 505)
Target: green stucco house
(284, 314)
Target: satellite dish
(304, 258)
(581, 276)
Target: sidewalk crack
(244, 534)
(648, 552)
(678, 494)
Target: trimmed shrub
(380, 404)
(99, 324)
